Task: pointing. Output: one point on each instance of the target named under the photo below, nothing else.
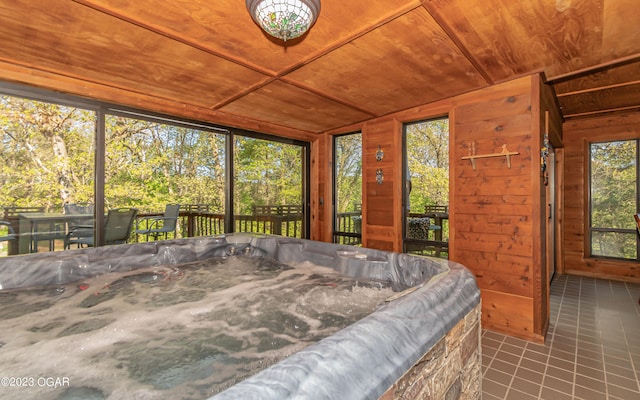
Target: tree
(46, 152)
(48, 160)
(613, 198)
(150, 164)
(348, 172)
(428, 161)
(266, 173)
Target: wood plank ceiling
(362, 59)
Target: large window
(269, 190)
(63, 155)
(614, 199)
(47, 158)
(150, 163)
(426, 195)
(347, 225)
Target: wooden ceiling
(361, 60)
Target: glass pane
(613, 184)
(268, 187)
(427, 187)
(614, 244)
(613, 198)
(47, 157)
(151, 165)
(348, 189)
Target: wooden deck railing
(198, 220)
(437, 241)
(348, 228)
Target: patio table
(29, 224)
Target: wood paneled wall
(321, 193)
(382, 202)
(497, 214)
(578, 135)
(499, 230)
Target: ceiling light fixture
(284, 19)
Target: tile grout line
(602, 349)
(502, 338)
(575, 355)
(557, 318)
(513, 376)
(589, 298)
(626, 337)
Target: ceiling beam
(449, 31)
(599, 88)
(601, 112)
(593, 69)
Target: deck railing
(276, 220)
(348, 228)
(199, 220)
(437, 241)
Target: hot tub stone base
(450, 370)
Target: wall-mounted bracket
(379, 176)
(379, 154)
(504, 153)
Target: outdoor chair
(117, 229)
(160, 225)
(11, 234)
(79, 209)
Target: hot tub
(422, 342)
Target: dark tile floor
(592, 350)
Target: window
(269, 186)
(150, 163)
(426, 196)
(347, 225)
(60, 150)
(614, 199)
(47, 158)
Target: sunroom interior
(527, 88)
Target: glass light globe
(284, 19)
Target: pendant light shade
(284, 19)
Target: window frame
(103, 108)
(336, 235)
(590, 229)
(407, 241)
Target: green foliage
(44, 152)
(348, 170)
(48, 160)
(428, 161)
(613, 184)
(149, 164)
(267, 173)
(613, 198)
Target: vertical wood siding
(577, 137)
(497, 220)
(497, 208)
